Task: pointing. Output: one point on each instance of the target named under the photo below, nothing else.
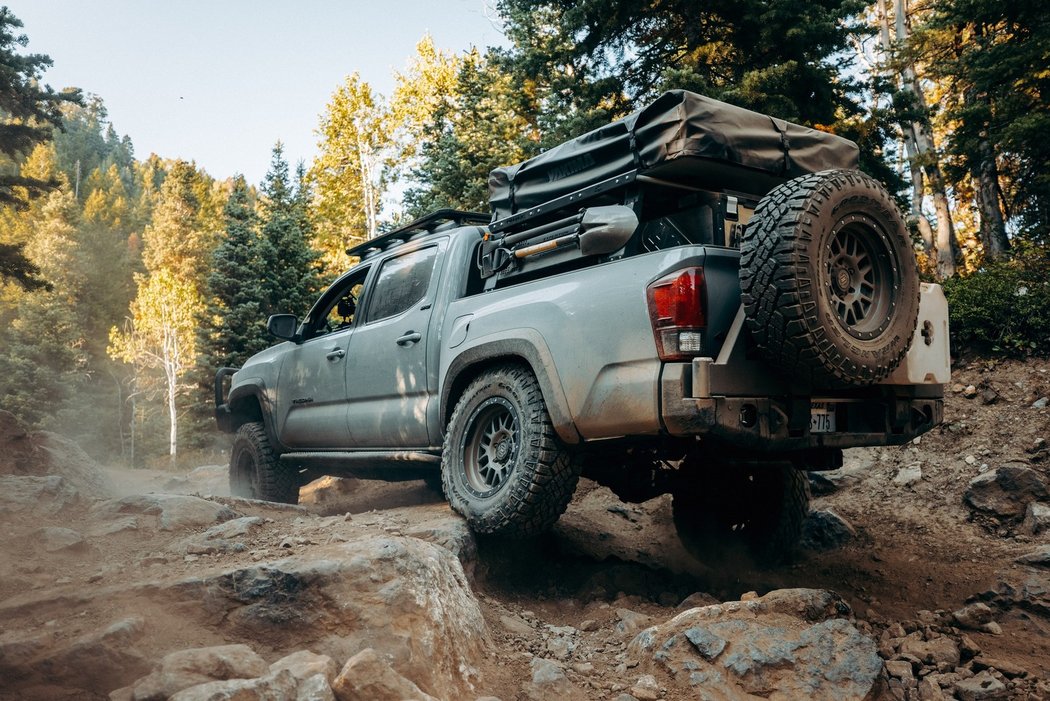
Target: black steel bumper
(871, 416)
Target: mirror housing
(283, 326)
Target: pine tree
(30, 112)
(234, 328)
(289, 263)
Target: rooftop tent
(682, 137)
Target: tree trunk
(946, 245)
(918, 186)
(172, 415)
(986, 180)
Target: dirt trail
(578, 594)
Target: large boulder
(407, 599)
(184, 669)
(172, 511)
(1006, 491)
(40, 454)
(99, 661)
(789, 644)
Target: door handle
(409, 338)
(335, 354)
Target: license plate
(821, 417)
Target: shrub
(1004, 307)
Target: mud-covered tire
(721, 512)
(828, 279)
(255, 470)
(502, 465)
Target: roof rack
(423, 225)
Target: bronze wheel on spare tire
(721, 511)
(828, 279)
(255, 470)
(502, 465)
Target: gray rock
(646, 688)
(368, 677)
(820, 485)
(276, 686)
(407, 599)
(977, 616)
(942, 653)
(908, 475)
(1040, 403)
(516, 626)
(1005, 492)
(315, 688)
(929, 690)
(441, 526)
(55, 539)
(187, 668)
(788, 642)
(981, 687)
(1036, 518)
(175, 511)
(100, 661)
(305, 664)
(629, 622)
(18, 651)
(548, 682)
(826, 530)
(42, 495)
(708, 644)
(1040, 557)
(900, 669)
(234, 528)
(1008, 669)
(696, 599)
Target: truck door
(386, 376)
(312, 388)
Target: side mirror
(283, 326)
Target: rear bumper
(871, 416)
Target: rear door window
(402, 282)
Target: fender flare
(254, 389)
(527, 345)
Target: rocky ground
(925, 575)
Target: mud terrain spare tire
(502, 465)
(255, 470)
(828, 279)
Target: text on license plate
(821, 417)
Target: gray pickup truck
(696, 299)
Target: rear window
(403, 281)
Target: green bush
(1004, 307)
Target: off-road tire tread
(543, 483)
(779, 298)
(277, 482)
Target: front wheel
(502, 465)
(255, 470)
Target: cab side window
(339, 308)
(402, 282)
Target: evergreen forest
(127, 280)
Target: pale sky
(219, 81)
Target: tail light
(678, 312)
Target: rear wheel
(255, 470)
(502, 465)
(722, 510)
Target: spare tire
(828, 279)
